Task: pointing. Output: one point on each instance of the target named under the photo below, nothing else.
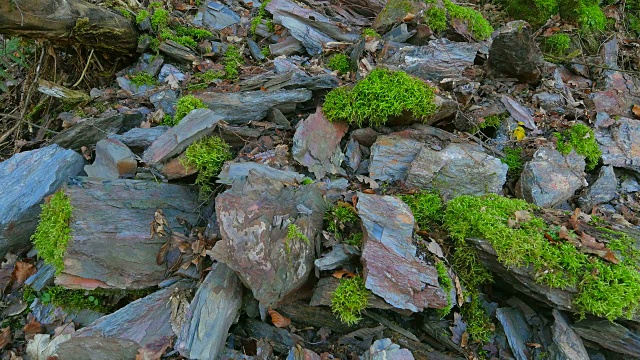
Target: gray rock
(27, 178)
(550, 101)
(630, 184)
(515, 53)
(289, 46)
(365, 136)
(144, 325)
(118, 213)
(568, 342)
(47, 314)
(89, 131)
(603, 190)
(254, 217)
(458, 169)
(232, 171)
(517, 331)
(391, 157)
(435, 61)
(610, 335)
(551, 178)
(114, 160)
(255, 50)
(316, 144)
(619, 143)
(385, 349)
(333, 259)
(213, 309)
(42, 278)
(140, 138)
(399, 34)
(168, 70)
(165, 100)
(281, 339)
(391, 268)
(215, 15)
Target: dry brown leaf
(369, 191)
(590, 241)
(22, 271)
(278, 320)
(409, 17)
(32, 328)
(5, 337)
(342, 273)
(636, 110)
(563, 233)
(533, 345)
(464, 341)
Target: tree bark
(66, 22)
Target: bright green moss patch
(207, 155)
(339, 217)
(426, 207)
(436, 19)
(142, 78)
(379, 96)
(142, 16)
(581, 138)
(513, 159)
(355, 240)
(204, 79)
(294, 233)
(349, 299)
(194, 33)
(557, 44)
(604, 289)
(370, 32)
(262, 13)
(185, 105)
(446, 284)
(478, 25)
(340, 63)
(159, 19)
(536, 12)
(168, 34)
(53, 233)
(232, 59)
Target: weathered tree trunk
(65, 22)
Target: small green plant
(143, 78)
(340, 216)
(426, 207)
(185, 105)
(232, 58)
(159, 19)
(194, 33)
(513, 159)
(142, 15)
(581, 138)
(436, 19)
(379, 96)
(53, 232)
(262, 13)
(207, 155)
(202, 80)
(355, 240)
(493, 121)
(447, 286)
(125, 12)
(12, 54)
(294, 234)
(265, 51)
(478, 25)
(168, 34)
(340, 63)
(370, 32)
(307, 181)
(557, 44)
(349, 299)
(155, 5)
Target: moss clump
(340, 63)
(339, 217)
(207, 155)
(143, 78)
(370, 32)
(203, 80)
(194, 33)
(53, 232)
(294, 233)
(142, 15)
(581, 138)
(446, 284)
(478, 25)
(513, 159)
(262, 13)
(69, 299)
(168, 34)
(349, 299)
(232, 58)
(426, 207)
(586, 13)
(265, 51)
(604, 289)
(379, 96)
(536, 12)
(557, 44)
(185, 105)
(355, 240)
(159, 19)
(436, 19)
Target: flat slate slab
(26, 179)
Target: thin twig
(85, 70)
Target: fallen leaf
(591, 242)
(278, 320)
(22, 271)
(5, 337)
(409, 17)
(519, 133)
(369, 191)
(563, 233)
(342, 273)
(32, 328)
(533, 345)
(636, 110)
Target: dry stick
(85, 70)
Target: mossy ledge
(383, 94)
(53, 232)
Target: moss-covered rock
(394, 12)
(53, 232)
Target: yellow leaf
(518, 133)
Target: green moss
(340, 63)
(436, 18)
(379, 96)
(426, 207)
(155, 5)
(349, 299)
(207, 155)
(586, 13)
(185, 105)
(125, 12)
(604, 289)
(536, 12)
(478, 25)
(262, 13)
(266, 51)
(557, 44)
(167, 34)
(142, 15)
(355, 240)
(143, 78)
(294, 233)
(446, 284)
(581, 138)
(232, 59)
(479, 324)
(194, 33)
(53, 232)
(159, 19)
(513, 159)
(370, 32)
(338, 217)
(203, 80)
